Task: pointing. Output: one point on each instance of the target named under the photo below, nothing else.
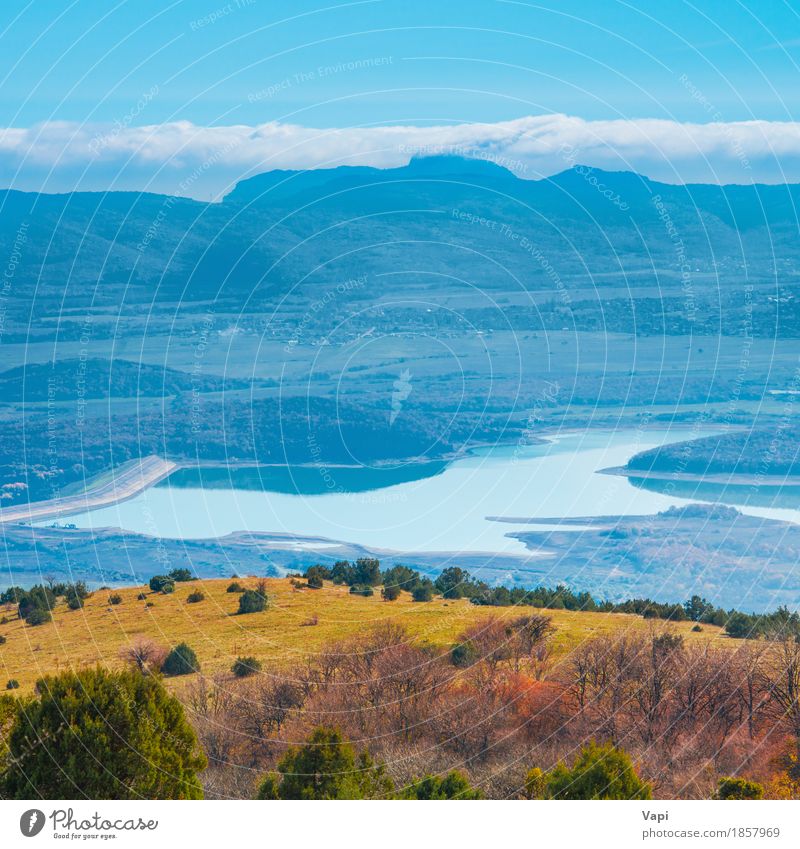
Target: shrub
(697, 628)
(38, 616)
(453, 786)
(12, 684)
(535, 784)
(599, 772)
(167, 588)
(326, 767)
(114, 735)
(740, 626)
(317, 575)
(254, 601)
(390, 593)
(75, 595)
(2, 640)
(464, 654)
(141, 597)
(180, 661)
(194, 597)
(150, 604)
(244, 666)
(739, 788)
(235, 587)
(423, 591)
(158, 581)
(181, 575)
(144, 655)
(115, 598)
(362, 589)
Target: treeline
(755, 452)
(36, 605)
(364, 575)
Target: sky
(189, 96)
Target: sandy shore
(125, 482)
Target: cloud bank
(204, 162)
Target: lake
(414, 507)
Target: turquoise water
(429, 510)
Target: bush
(697, 628)
(453, 786)
(194, 597)
(38, 616)
(362, 589)
(12, 684)
(739, 788)
(326, 767)
(150, 604)
(464, 654)
(235, 587)
(254, 601)
(181, 575)
(158, 581)
(423, 591)
(167, 588)
(2, 640)
(244, 666)
(390, 593)
(740, 626)
(315, 582)
(599, 772)
(115, 598)
(75, 595)
(114, 735)
(535, 784)
(141, 597)
(180, 661)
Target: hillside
(281, 636)
(590, 297)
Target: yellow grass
(99, 633)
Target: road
(126, 482)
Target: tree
(740, 626)
(102, 735)
(244, 666)
(181, 575)
(391, 593)
(145, 655)
(326, 767)
(423, 591)
(453, 582)
(599, 772)
(536, 784)
(158, 582)
(367, 570)
(181, 661)
(739, 788)
(315, 581)
(254, 601)
(696, 608)
(38, 616)
(453, 786)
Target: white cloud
(183, 158)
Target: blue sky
(450, 61)
(213, 63)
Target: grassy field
(279, 636)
